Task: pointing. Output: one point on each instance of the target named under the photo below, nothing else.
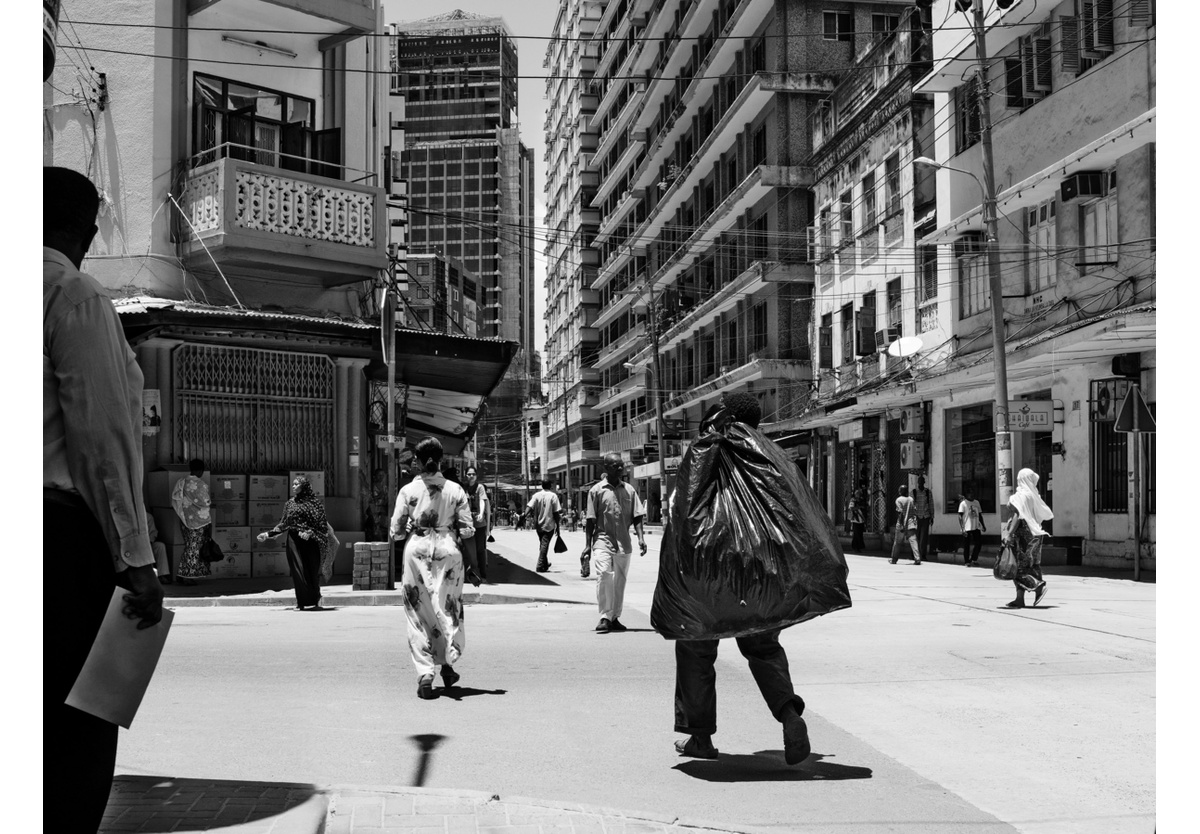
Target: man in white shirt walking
(970, 519)
(612, 507)
(545, 512)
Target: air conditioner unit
(912, 420)
(1082, 185)
(912, 454)
(885, 337)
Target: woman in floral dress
(433, 517)
(191, 500)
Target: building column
(350, 426)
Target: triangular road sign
(1134, 415)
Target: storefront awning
(448, 376)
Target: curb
(351, 600)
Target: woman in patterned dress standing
(433, 517)
(191, 501)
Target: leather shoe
(616, 625)
(425, 688)
(449, 676)
(796, 746)
(696, 748)
(604, 626)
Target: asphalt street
(929, 708)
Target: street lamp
(1004, 457)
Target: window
(892, 185)
(839, 26)
(825, 342)
(970, 456)
(884, 24)
(1087, 38)
(1141, 13)
(973, 289)
(1027, 75)
(927, 285)
(268, 127)
(1041, 251)
(1098, 238)
(758, 327)
(895, 307)
(870, 211)
(847, 334)
(846, 229)
(967, 123)
(865, 335)
(1110, 467)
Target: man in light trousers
(612, 507)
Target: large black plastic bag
(746, 547)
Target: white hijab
(1028, 504)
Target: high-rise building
(572, 342)
(470, 185)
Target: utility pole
(659, 418)
(1004, 455)
(567, 436)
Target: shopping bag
(211, 552)
(1006, 564)
(560, 546)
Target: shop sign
(1031, 415)
(850, 431)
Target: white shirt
(971, 514)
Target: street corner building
(260, 197)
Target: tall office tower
(470, 186)
(705, 195)
(571, 380)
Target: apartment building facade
(441, 295)
(1072, 99)
(706, 273)
(470, 184)
(874, 287)
(571, 380)
(243, 233)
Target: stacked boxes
(371, 567)
(235, 544)
(267, 494)
(228, 500)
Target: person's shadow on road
(457, 693)
(769, 766)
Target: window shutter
(1014, 90)
(1140, 13)
(1069, 33)
(1087, 23)
(1041, 65)
(1104, 26)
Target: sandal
(425, 688)
(449, 676)
(696, 749)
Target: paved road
(930, 708)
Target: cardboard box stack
(269, 563)
(267, 495)
(371, 567)
(229, 501)
(235, 544)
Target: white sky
(530, 22)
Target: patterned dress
(306, 527)
(191, 501)
(434, 514)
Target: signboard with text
(850, 431)
(1031, 415)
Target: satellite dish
(905, 346)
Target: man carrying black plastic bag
(747, 551)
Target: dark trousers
(544, 538)
(696, 680)
(923, 525)
(481, 535)
(304, 561)
(79, 750)
(856, 535)
(972, 546)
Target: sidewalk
(159, 804)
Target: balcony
(737, 378)
(623, 440)
(623, 343)
(632, 386)
(284, 226)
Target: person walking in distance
(857, 510)
(906, 528)
(970, 520)
(433, 519)
(480, 511)
(94, 524)
(1024, 534)
(613, 506)
(545, 512)
(192, 502)
(922, 498)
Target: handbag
(560, 546)
(1006, 564)
(210, 552)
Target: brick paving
(161, 804)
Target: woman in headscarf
(191, 500)
(434, 516)
(305, 524)
(1024, 534)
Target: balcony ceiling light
(259, 45)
